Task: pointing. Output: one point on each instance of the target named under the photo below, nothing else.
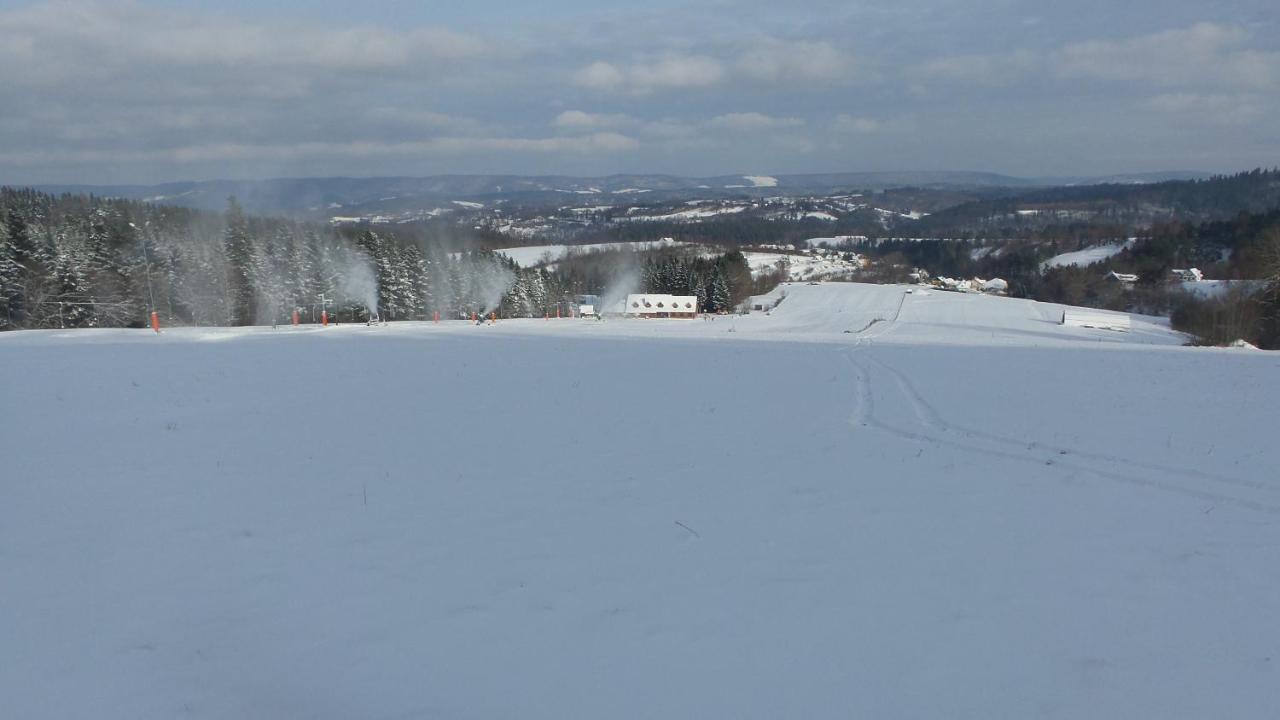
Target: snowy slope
(1087, 256)
(532, 255)
(803, 267)
(1219, 288)
(963, 511)
(697, 213)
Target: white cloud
(1202, 52)
(855, 124)
(671, 71)
(420, 118)
(753, 121)
(84, 36)
(1208, 108)
(773, 60)
(160, 85)
(981, 70)
(580, 119)
(1202, 55)
(794, 144)
(600, 76)
(677, 72)
(604, 142)
(761, 60)
(607, 142)
(669, 129)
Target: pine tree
(698, 288)
(241, 300)
(106, 282)
(32, 259)
(720, 299)
(74, 311)
(10, 278)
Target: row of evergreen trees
(76, 261)
(83, 261)
(719, 283)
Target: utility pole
(146, 262)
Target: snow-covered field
(957, 508)
(697, 213)
(803, 267)
(533, 255)
(1219, 288)
(1087, 256)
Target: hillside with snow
(535, 255)
(873, 501)
(1089, 255)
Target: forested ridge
(1066, 211)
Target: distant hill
(1119, 203)
(334, 196)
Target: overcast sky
(143, 92)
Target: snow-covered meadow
(1089, 255)
(868, 503)
(535, 255)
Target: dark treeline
(1067, 211)
(719, 283)
(83, 261)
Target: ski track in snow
(932, 429)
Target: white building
(659, 305)
(996, 286)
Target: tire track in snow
(930, 417)
(939, 432)
(864, 407)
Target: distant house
(654, 305)
(1122, 278)
(995, 286)
(1188, 275)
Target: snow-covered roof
(645, 303)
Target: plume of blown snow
(624, 283)
(492, 283)
(358, 284)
